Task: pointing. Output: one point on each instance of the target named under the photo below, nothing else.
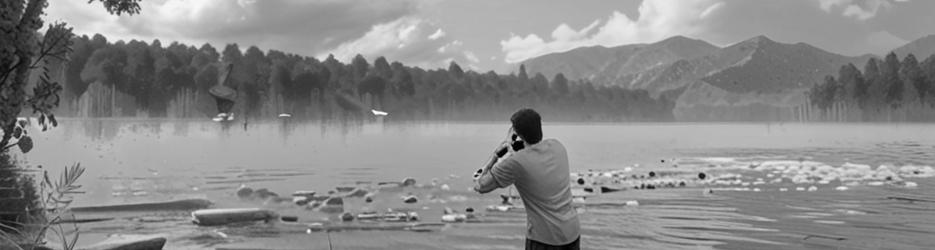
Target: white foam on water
(805, 172)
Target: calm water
(146, 160)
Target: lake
(739, 206)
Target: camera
(516, 143)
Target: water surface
(147, 160)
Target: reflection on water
(153, 160)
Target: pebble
(632, 203)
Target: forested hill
(140, 79)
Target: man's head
(528, 125)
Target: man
(540, 173)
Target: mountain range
(755, 79)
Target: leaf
(25, 144)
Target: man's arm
(485, 183)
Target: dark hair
(528, 125)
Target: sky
(483, 35)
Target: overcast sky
(495, 34)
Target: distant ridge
(706, 80)
(921, 48)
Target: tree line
(274, 82)
(886, 90)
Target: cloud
(858, 9)
(298, 26)
(438, 34)
(658, 19)
(408, 39)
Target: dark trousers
(535, 245)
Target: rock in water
(303, 193)
(289, 218)
(445, 187)
(264, 194)
(335, 201)
(244, 192)
(357, 192)
(347, 216)
(368, 198)
(300, 200)
(130, 242)
(409, 181)
(410, 199)
(702, 176)
(609, 190)
(332, 205)
(213, 217)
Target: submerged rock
(409, 181)
(332, 205)
(214, 217)
(300, 200)
(244, 192)
(357, 192)
(303, 193)
(130, 242)
(410, 199)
